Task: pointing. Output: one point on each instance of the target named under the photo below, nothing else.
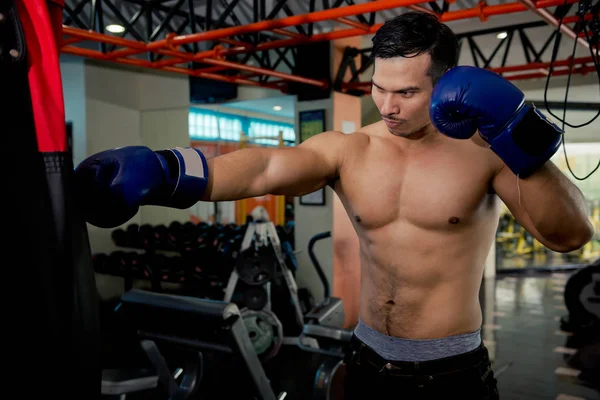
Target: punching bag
(51, 301)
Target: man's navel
(454, 220)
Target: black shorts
(465, 376)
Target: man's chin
(400, 133)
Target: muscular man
(422, 188)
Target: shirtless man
(423, 197)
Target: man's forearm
(556, 207)
(236, 175)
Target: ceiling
(150, 21)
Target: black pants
(466, 376)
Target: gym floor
(533, 358)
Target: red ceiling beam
(170, 46)
(581, 65)
(316, 16)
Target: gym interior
(257, 298)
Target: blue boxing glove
(111, 185)
(467, 99)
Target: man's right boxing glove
(113, 184)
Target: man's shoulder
(335, 139)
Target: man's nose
(390, 106)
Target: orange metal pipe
(422, 9)
(484, 11)
(561, 63)
(69, 41)
(264, 71)
(582, 71)
(345, 33)
(236, 43)
(98, 37)
(134, 47)
(575, 18)
(578, 64)
(78, 51)
(552, 3)
(285, 32)
(143, 63)
(316, 16)
(355, 24)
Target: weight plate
(581, 298)
(329, 380)
(255, 297)
(265, 332)
(256, 270)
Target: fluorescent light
(502, 35)
(113, 28)
(277, 108)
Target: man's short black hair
(413, 33)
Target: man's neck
(421, 139)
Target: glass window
(213, 125)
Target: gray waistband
(398, 349)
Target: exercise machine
(193, 346)
(323, 324)
(323, 333)
(582, 299)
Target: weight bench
(171, 324)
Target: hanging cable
(584, 7)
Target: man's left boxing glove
(113, 184)
(467, 99)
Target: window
(214, 125)
(210, 125)
(264, 129)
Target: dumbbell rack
(260, 271)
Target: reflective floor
(533, 358)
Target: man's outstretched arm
(113, 184)
(292, 171)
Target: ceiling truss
(212, 42)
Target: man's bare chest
(433, 191)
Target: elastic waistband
(398, 349)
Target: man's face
(402, 93)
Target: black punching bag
(50, 297)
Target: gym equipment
(323, 334)
(323, 324)
(174, 330)
(255, 268)
(265, 332)
(255, 297)
(582, 298)
(260, 261)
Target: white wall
(112, 106)
(162, 129)
(73, 75)
(310, 220)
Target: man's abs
(426, 285)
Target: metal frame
(539, 58)
(177, 39)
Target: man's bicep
(304, 168)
